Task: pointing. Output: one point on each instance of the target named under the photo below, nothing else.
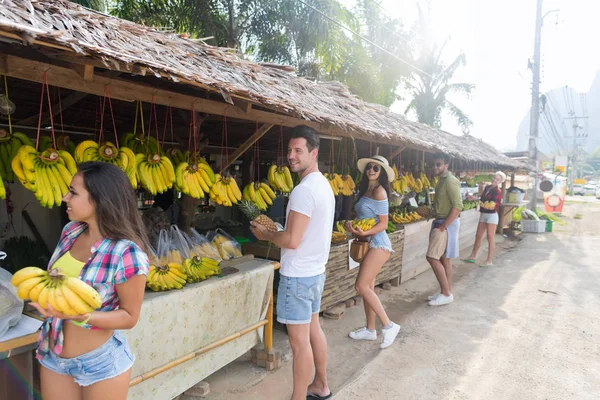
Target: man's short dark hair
(308, 133)
(442, 156)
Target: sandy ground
(526, 328)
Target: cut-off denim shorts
(299, 298)
(107, 361)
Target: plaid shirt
(112, 262)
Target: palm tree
(430, 87)
(98, 5)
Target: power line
(364, 38)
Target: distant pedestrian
(489, 205)
(443, 239)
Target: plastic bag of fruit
(166, 270)
(200, 246)
(227, 246)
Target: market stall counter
(416, 241)
(339, 284)
(185, 335)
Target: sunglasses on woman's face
(374, 167)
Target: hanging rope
(62, 127)
(45, 88)
(107, 96)
(7, 100)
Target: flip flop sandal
(312, 396)
(486, 265)
(468, 260)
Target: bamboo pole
(194, 354)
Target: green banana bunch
(9, 146)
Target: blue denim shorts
(107, 361)
(299, 298)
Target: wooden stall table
(185, 335)
(19, 370)
(416, 242)
(505, 214)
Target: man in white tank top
(305, 245)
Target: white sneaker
(363, 334)
(442, 300)
(389, 335)
(434, 296)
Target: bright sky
(498, 39)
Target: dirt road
(526, 328)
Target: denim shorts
(381, 240)
(299, 298)
(107, 361)
(489, 218)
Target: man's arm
(290, 238)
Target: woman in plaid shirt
(86, 356)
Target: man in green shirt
(443, 240)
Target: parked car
(598, 193)
(578, 190)
(589, 190)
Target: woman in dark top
(489, 205)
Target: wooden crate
(339, 285)
(416, 241)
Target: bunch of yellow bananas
(9, 146)
(167, 277)
(365, 224)
(227, 248)
(260, 194)
(194, 180)
(338, 237)
(435, 181)
(205, 250)
(400, 184)
(336, 183)
(280, 178)
(63, 142)
(488, 205)
(425, 180)
(225, 191)
(348, 186)
(123, 157)
(405, 218)
(200, 268)
(47, 174)
(339, 226)
(156, 173)
(67, 295)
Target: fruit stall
(201, 133)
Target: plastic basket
(549, 225)
(533, 226)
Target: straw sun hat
(379, 160)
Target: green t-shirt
(447, 196)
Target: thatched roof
(125, 46)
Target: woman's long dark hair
(383, 181)
(115, 201)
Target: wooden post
(248, 143)
(269, 326)
(187, 212)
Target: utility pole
(535, 102)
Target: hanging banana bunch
(124, 158)
(425, 180)
(280, 178)
(47, 174)
(336, 183)
(225, 191)
(142, 144)
(176, 156)
(9, 146)
(400, 184)
(155, 172)
(195, 180)
(260, 194)
(348, 186)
